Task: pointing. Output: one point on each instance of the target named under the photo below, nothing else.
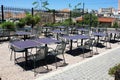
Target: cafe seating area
(57, 47)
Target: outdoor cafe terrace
(30, 54)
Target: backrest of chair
(40, 54)
(107, 37)
(61, 47)
(89, 43)
(86, 32)
(94, 29)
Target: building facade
(107, 12)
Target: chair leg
(96, 50)
(83, 53)
(110, 45)
(106, 45)
(15, 57)
(91, 53)
(56, 61)
(92, 50)
(64, 59)
(11, 55)
(34, 67)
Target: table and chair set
(88, 40)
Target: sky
(61, 4)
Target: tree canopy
(90, 19)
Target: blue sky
(61, 4)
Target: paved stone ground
(93, 69)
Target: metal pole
(53, 16)
(2, 10)
(32, 12)
(83, 13)
(70, 18)
(90, 20)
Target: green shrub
(20, 24)
(32, 20)
(8, 25)
(113, 70)
(115, 25)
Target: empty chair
(94, 30)
(118, 37)
(106, 40)
(16, 50)
(35, 34)
(59, 50)
(13, 48)
(87, 32)
(39, 55)
(87, 45)
(1, 35)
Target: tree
(76, 12)
(43, 5)
(115, 25)
(90, 19)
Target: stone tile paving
(93, 69)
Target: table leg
(57, 36)
(81, 42)
(70, 45)
(26, 57)
(46, 56)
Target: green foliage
(115, 25)
(29, 19)
(75, 7)
(79, 24)
(32, 20)
(36, 4)
(113, 70)
(67, 22)
(76, 13)
(8, 25)
(37, 18)
(48, 24)
(44, 4)
(21, 23)
(91, 19)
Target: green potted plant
(8, 25)
(115, 71)
(32, 20)
(21, 23)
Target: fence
(11, 13)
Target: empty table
(57, 32)
(23, 33)
(76, 37)
(25, 45)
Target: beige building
(106, 11)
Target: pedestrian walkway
(95, 68)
